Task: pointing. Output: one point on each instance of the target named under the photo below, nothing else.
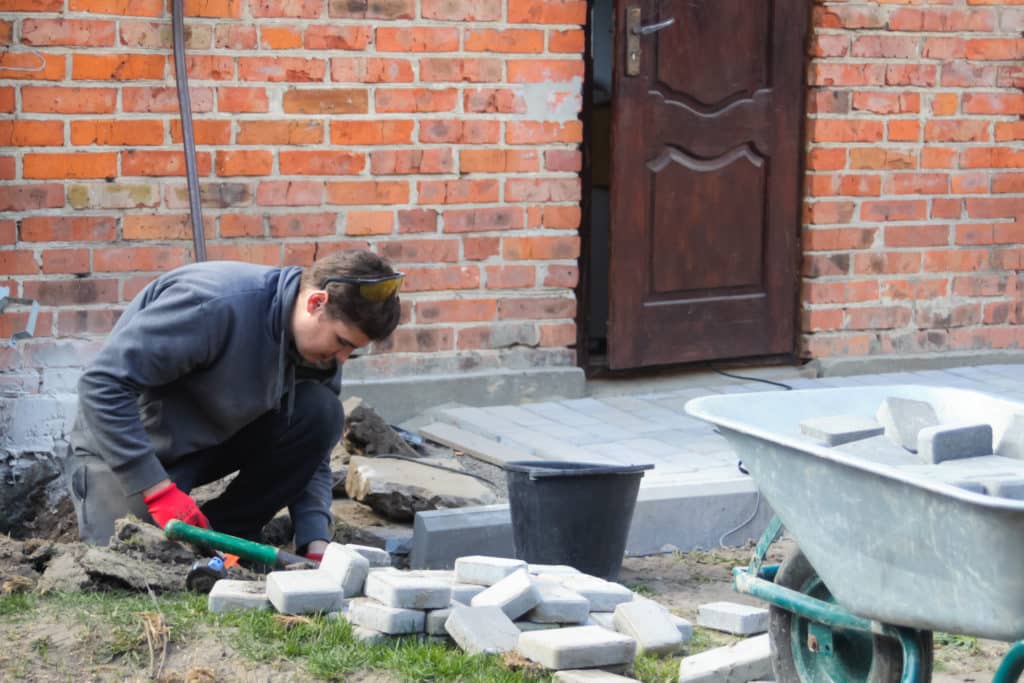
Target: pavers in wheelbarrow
(904, 418)
(954, 441)
(839, 429)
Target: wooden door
(705, 184)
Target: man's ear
(314, 300)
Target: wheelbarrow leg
(1012, 665)
(912, 672)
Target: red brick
(544, 70)
(916, 235)
(277, 9)
(67, 229)
(244, 100)
(957, 260)
(290, 193)
(562, 217)
(915, 289)
(7, 100)
(120, 132)
(845, 130)
(840, 292)
(77, 165)
(157, 227)
(494, 101)
(384, 132)
(65, 261)
(563, 160)
(368, 192)
(480, 248)
(459, 191)
(417, 220)
(205, 132)
(303, 225)
(540, 248)
(24, 65)
(117, 67)
(564, 276)
(320, 163)
(483, 219)
(538, 132)
(159, 163)
(27, 133)
(980, 285)
(31, 197)
(449, 70)
(472, 132)
(510, 277)
(259, 253)
(975, 233)
(509, 41)
(462, 10)
(415, 100)
(420, 250)
(877, 317)
(494, 160)
(234, 37)
(164, 100)
(456, 310)
(957, 130)
(72, 322)
(371, 70)
(332, 37)
(878, 158)
(543, 190)
(369, 222)
(894, 210)
(67, 32)
(325, 101)
(241, 225)
(446, 277)
(417, 39)
(381, 9)
(888, 263)
(281, 70)
(419, 340)
(839, 239)
(14, 322)
(52, 292)
(547, 12)
(825, 265)
(409, 161)
(917, 183)
(536, 308)
(18, 262)
(216, 9)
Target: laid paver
(482, 629)
(577, 647)
(347, 566)
(515, 595)
(304, 591)
(232, 594)
(408, 590)
(650, 625)
(484, 570)
(369, 613)
(733, 617)
(953, 442)
(747, 660)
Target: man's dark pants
(274, 457)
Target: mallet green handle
(177, 530)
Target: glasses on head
(372, 288)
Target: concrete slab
(840, 429)
(484, 570)
(602, 595)
(732, 617)
(482, 629)
(464, 592)
(649, 625)
(478, 446)
(229, 594)
(346, 566)
(304, 591)
(371, 614)
(577, 647)
(559, 605)
(747, 660)
(441, 536)
(904, 418)
(515, 595)
(407, 590)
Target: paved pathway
(652, 427)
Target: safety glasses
(372, 288)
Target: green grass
(968, 644)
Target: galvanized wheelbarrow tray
(896, 552)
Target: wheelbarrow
(890, 549)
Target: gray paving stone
(559, 605)
(747, 660)
(880, 449)
(441, 536)
(1011, 443)
(230, 594)
(484, 570)
(369, 613)
(535, 569)
(602, 619)
(464, 592)
(482, 629)
(560, 414)
(377, 557)
(515, 595)
(602, 595)
(478, 421)
(303, 591)
(903, 418)
(1006, 488)
(954, 442)
(434, 624)
(518, 415)
(588, 676)
(839, 429)
(346, 566)
(408, 590)
(732, 617)
(577, 647)
(650, 625)
(478, 446)
(534, 626)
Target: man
(225, 367)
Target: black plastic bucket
(572, 513)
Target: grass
(967, 644)
(119, 631)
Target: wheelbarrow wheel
(798, 654)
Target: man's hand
(170, 502)
(315, 550)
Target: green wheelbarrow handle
(177, 530)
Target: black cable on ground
(187, 136)
(753, 379)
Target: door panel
(705, 182)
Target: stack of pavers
(908, 434)
(553, 615)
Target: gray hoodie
(201, 352)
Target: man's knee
(98, 497)
(318, 410)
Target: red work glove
(170, 503)
(316, 557)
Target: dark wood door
(705, 182)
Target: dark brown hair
(377, 319)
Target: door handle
(634, 30)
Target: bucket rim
(544, 469)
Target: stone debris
(398, 489)
(953, 442)
(734, 618)
(231, 594)
(367, 432)
(840, 429)
(747, 660)
(482, 629)
(904, 418)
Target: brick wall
(441, 133)
(914, 210)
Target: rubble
(367, 432)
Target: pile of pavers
(582, 627)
